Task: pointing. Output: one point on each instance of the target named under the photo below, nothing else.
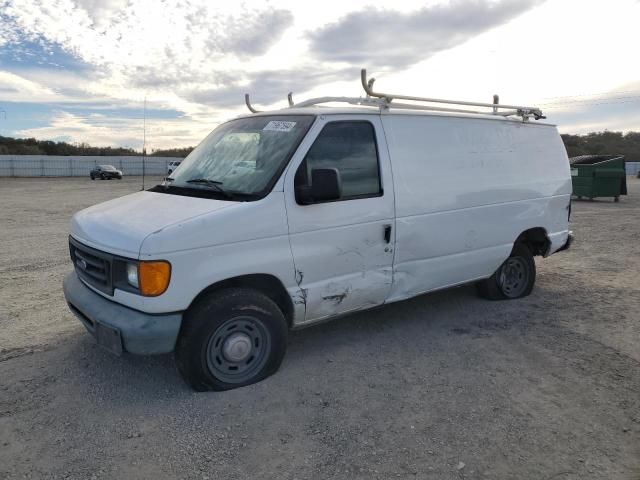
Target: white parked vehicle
(172, 166)
(282, 219)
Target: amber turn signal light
(154, 277)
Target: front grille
(92, 266)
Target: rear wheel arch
(515, 278)
(536, 240)
(267, 284)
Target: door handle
(387, 233)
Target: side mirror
(325, 186)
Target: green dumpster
(598, 176)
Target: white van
(282, 219)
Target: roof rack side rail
(370, 102)
(518, 110)
(383, 104)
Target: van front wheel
(229, 339)
(513, 279)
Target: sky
(79, 70)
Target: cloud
(195, 59)
(615, 110)
(8, 31)
(24, 90)
(96, 129)
(102, 12)
(381, 38)
(105, 130)
(269, 86)
(176, 41)
(119, 51)
(252, 34)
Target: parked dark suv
(105, 172)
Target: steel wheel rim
(238, 349)
(514, 277)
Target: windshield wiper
(215, 184)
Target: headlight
(132, 275)
(148, 278)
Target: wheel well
(268, 285)
(536, 239)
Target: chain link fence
(78, 166)
(632, 168)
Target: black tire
(102, 177)
(92, 177)
(210, 328)
(513, 279)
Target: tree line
(596, 143)
(31, 146)
(627, 144)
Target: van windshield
(241, 157)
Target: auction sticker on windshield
(279, 126)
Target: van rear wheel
(229, 339)
(513, 279)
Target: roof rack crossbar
(351, 100)
(248, 103)
(519, 110)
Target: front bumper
(119, 328)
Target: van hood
(121, 225)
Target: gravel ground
(444, 386)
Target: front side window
(240, 159)
(349, 147)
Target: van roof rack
(388, 100)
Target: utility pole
(144, 138)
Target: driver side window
(350, 147)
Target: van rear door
(343, 249)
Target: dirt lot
(444, 386)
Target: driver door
(343, 249)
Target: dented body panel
(339, 250)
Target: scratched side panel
(465, 189)
(344, 269)
(342, 260)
